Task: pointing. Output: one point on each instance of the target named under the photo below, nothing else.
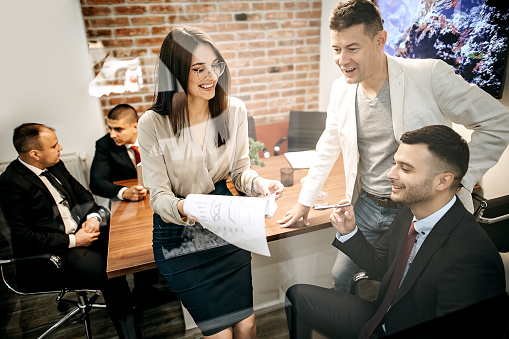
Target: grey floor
(28, 317)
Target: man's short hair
(354, 12)
(26, 137)
(449, 150)
(123, 111)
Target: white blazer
(423, 92)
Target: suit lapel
(397, 90)
(438, 235)
(31, 177)
(121, 151)
(402, 234)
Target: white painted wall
(496, 181)
(329, 71)
(45, 74)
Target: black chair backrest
(251, 132)
(493, 216)
(305, 129)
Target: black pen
(331, 206)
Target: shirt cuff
(72, 241)
(121, 192)
(343, 238)
(95, 215)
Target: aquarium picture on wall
(470, 35)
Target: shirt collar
(424, 226)
(127, 146)
(34, 169)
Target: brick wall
(272, 47)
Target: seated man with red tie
(49, 211)
(435, 259)
(116, 158)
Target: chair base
(83, 305)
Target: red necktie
(136, 154)
(370, 326)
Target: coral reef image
(470, 35)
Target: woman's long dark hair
(172, 75)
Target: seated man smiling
(435, 259)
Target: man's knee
(86, 267)
(293, 293)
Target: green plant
(254, 148)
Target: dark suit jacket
(111, 163)
(456, 266)
(31, 212)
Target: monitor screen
(470, 35)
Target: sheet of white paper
(302, 159)
(238, 220)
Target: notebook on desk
(301, 159)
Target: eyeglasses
(203, 74)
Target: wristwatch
(96, 217)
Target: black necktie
(370, 326)
(65, 195)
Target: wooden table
(130, 244)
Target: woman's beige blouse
(172, 166)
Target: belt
(384, 202)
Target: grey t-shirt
(375, 139)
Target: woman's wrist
(253, 191)
(180, 207)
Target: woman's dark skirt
(211, 277)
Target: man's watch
(96, 217)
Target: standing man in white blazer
(378, 98)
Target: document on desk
(301, 159)
(238, 220)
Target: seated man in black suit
(435, 259)
(116, 158)
(49, 211)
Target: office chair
(83, 303)
(251, 133)
(493, 216)
(304, 130)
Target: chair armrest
(361, 276)
(105, 216)
(277, 147)
(483, 205)
(55, 259)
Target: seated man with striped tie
(116, 156)
(435, 259)
(49, 211)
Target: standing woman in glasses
(192, 138)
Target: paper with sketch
(301, 159)
(238, 220)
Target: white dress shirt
(70, 225)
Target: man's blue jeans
(373, 221)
